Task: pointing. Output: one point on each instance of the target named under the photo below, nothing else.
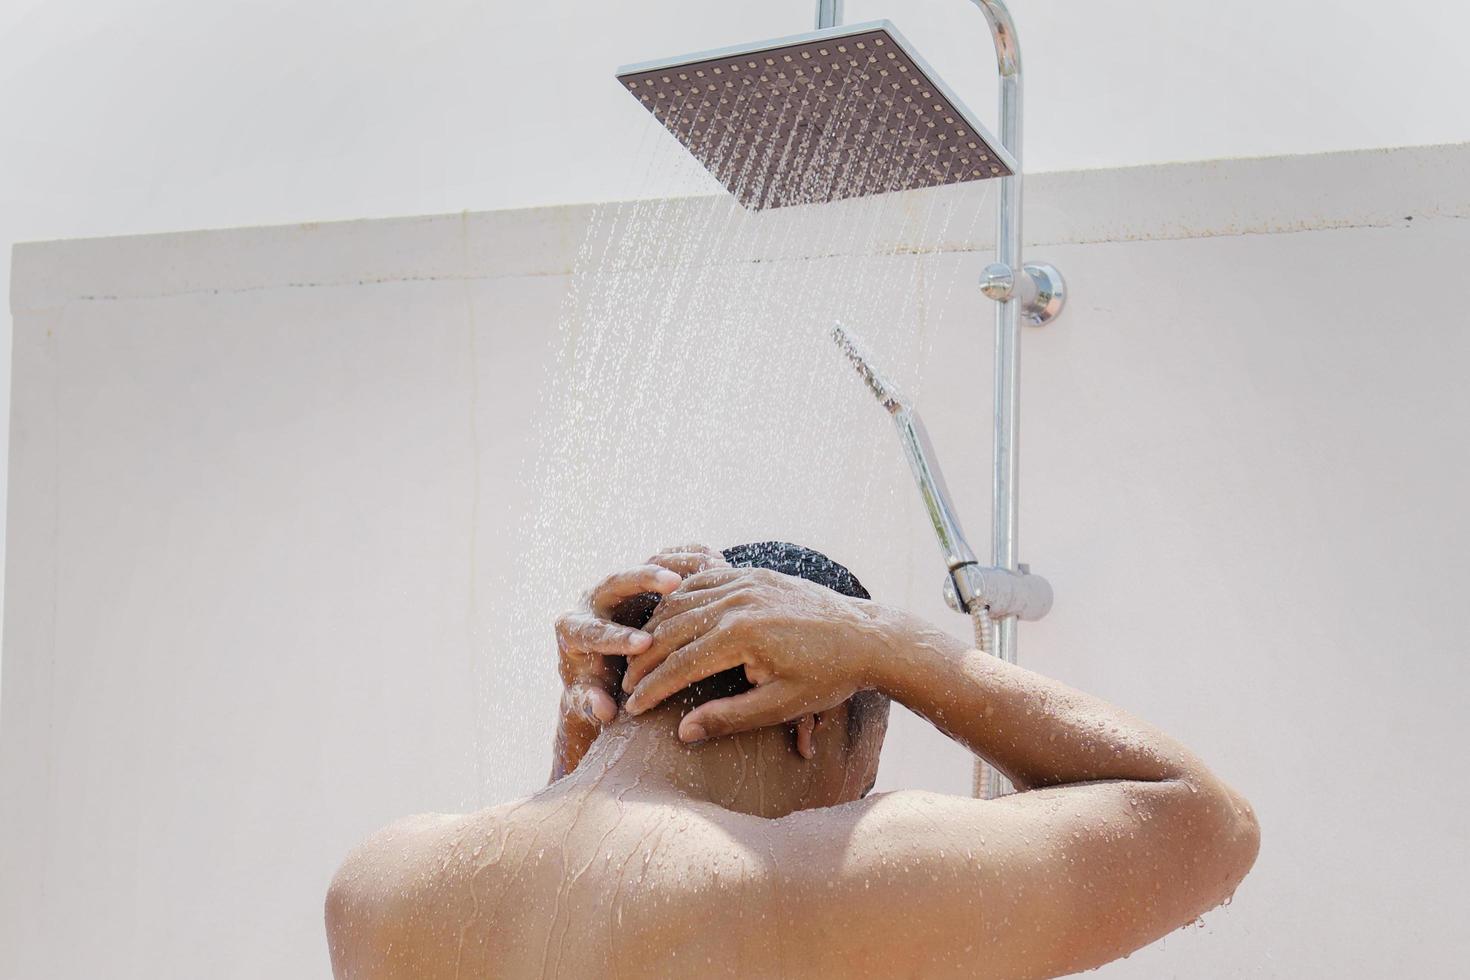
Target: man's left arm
(595, 639)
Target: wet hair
(794, 560)
(798, 562)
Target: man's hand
(594, 638)
(805, 647)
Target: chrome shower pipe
(1034, 293)
(1039, 298)
(1006, 445)
(829, 13)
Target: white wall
(268, 489)
(157, 115)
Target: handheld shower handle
(923, 462)
(971, 588)
(1000, 592)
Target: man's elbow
(1245, 834)
(1229, 838)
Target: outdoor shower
(852, 111)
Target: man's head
(847, 739)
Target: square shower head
(836, 113)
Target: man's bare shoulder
(495, 889)
(408, 843)
(398, 904)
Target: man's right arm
(1120, 835)
(1124, 836)
(1037, 731)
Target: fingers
(672, 634)
(585, 708)
(768, 704)
(688, 559)
(711, 577)
(703, 658)
(585, 633)
(594, 673)
(591, 702)
(805, 726)
(680, 602)
(624, 585)
(698, 589)
(701, 549)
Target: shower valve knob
(1041, 291)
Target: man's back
(577, 881)
(571, 882)
(695, 837)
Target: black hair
(799, 562)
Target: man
(688, 831)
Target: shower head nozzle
(835, 113)
(888, 396)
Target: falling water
(695, 396)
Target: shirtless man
(689, 831)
